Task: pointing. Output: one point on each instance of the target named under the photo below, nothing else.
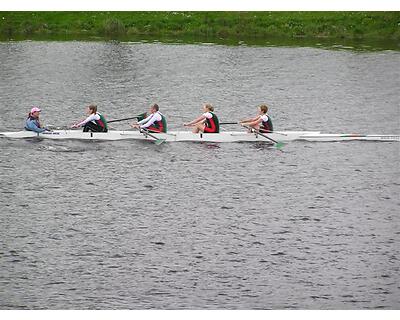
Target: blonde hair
(264, 108)
(209, 107)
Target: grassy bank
(344, 25)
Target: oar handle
(262, 135)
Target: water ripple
(233, 226)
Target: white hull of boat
(324, 137)
(175, 136)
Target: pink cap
(35, 109)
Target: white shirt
(208, 115)
(145, 123)
(264, 118)
(93, 117)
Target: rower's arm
(197, 120)
(250, 119)
(92, 117)
(254, 123)
(145, 119)
(149, 122)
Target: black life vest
(266, 125)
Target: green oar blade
(279, 145)
(159, 141)
(142, 116)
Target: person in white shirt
(208, 122)
(262, 122)
(95, 122)
(155, 122)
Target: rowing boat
(175, 136)
(172, 136)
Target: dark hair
(29, 115)
(155, 106)
(93, 108)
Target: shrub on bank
(113, 27)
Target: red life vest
(212, 124)
(101, 122)
(159, 126)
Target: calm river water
(132, 225)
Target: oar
(282, 134)
(278, 145)
(130, 118)
(227, 123)
(157, 141)
(222, 123)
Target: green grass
(261, 25)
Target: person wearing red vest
(155, 122)
(208, 122)
(95, 122)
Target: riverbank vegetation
(338, 25)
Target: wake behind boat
(181, 136)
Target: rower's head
(35, 112)
(91, 109)
(263, 109)
(208, 108)
(154, 108)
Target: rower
(32, 122)
(262, 122)
(155, 122)
(95, 122)
(208, 122)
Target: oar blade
(141, 116)
(279, 145)
(159, 141)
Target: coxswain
(208, 122)
(32, 122)
(95, 122)
(155, 122)
(262, 122)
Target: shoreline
(320, 43)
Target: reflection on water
(323, 43)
